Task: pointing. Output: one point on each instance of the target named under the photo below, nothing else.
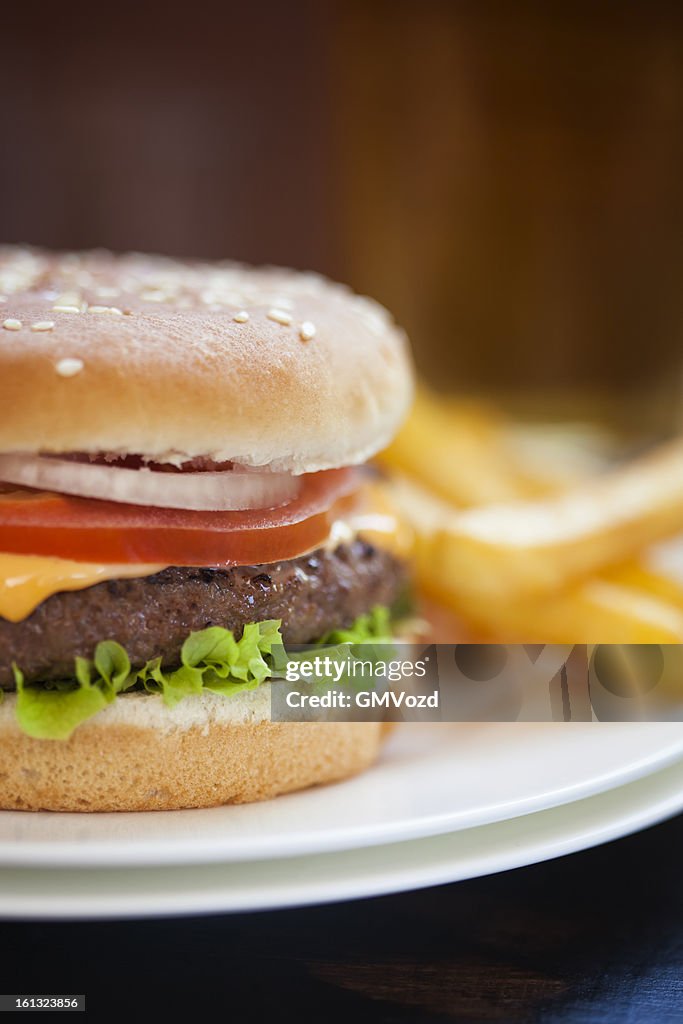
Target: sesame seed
(66, 309)
(43, 325)
(105, 309)
(154, 295)
(12, 325)
(69, 367)
(241, 317)
(307, 330)
(280, 317)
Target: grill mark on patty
(153, 615)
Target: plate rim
(182, 851)
(527, 839)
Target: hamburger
(182, 487)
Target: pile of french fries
(525, 552)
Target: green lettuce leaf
(53, 714)
(211, 659)
(369, 639)
(374, 627)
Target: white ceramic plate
(326, 878)
(431, 779)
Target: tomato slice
(89, 530)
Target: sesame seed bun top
(176, 360)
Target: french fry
(459, 454)
(592, 612)
(536, 548)
(467, 454)
(462, 455)
(633, 605)
(601, 612)
(639, 576)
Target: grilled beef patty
(153, 615)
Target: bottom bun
(139, 755)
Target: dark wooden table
(594, 937)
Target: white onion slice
(225, 490)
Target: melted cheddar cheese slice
(27, 580)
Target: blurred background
(505, 177)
